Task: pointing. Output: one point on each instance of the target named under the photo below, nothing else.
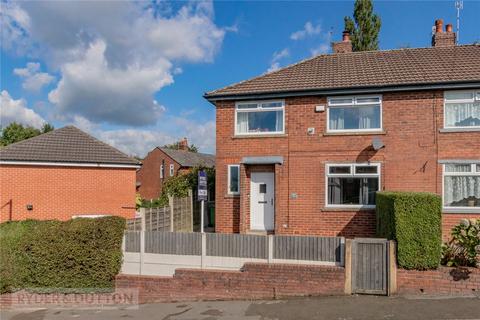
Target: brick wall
(255, 281)
(149, 174)
(444, 281)
(414, 143)
(61, 192)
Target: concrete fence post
(392, 267)
(190, 196)
(348, 266)
(204, 250)
(142, 250)
(142, 219)
(170, 204)
(270, 248)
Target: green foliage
(16, 132)
(73, 256)
(12, 266)
(178, 186)
(463, 249)
(414, 220)
(366, 27)
(176, 146)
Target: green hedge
(414, 220)
(73, 256)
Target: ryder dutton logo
(88, 300)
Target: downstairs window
(461, 186)
(352, 185)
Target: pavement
(339, 308)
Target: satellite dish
(377, 143)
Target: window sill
(345, 209)
(250, 136)
(462, 210)
(231, 195)
(447, 130)
(355, 133)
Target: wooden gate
(370, 266)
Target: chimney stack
(183, 144)
(343, 46)
(443, 39)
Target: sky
(133, 73)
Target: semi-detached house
(304, 149)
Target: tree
(16, 132)
(176, 146)
(366, 27)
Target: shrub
(463, 249)
(414, 220)
(67, 256)
(12, 266)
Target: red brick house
(162, 163)
(303, 150)
(63, 174)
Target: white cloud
(322, 49)
(277, 56)
(33, 80)
(134, 141)
(308, 30)
(17, 110)
(140, 141)
(92, 89)
(112, 56)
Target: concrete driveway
(354, 307)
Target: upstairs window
(461, 186)
(347, 114)
(172, 170)
(256, 118)
(161, 171)
(352, 185)
(462, 109)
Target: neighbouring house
(303, 150)
(63, 174)
(162, 163)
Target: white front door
(262, 201)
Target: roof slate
(190, 159)
(417, 66)
(68, 144)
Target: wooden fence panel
(328, 249)
(173, 243)
(237, 245)
(132, 241)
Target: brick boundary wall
(254, 281)
(443, 281)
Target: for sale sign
(202, 186)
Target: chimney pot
(439, 26)
(443, 39)
(343, 46)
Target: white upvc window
(172, 170)
(262, 117)
(161, 171)
(354, 114)
(352, 185)
(461, 186)
(233, 179)
(462, 109)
